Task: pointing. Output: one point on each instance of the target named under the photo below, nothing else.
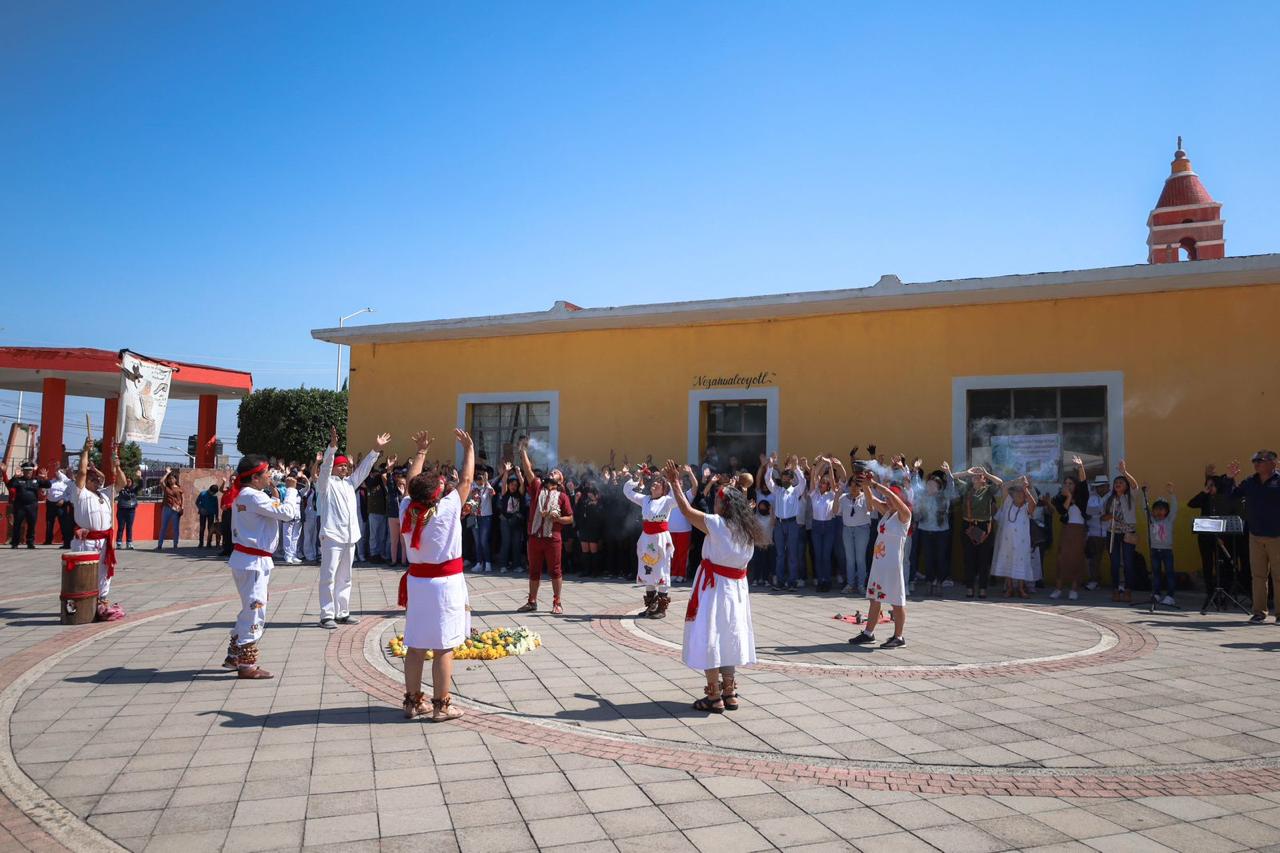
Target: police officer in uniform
(24, 502)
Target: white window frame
(769, 396)
(553, 427)
(1112, 380)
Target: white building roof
(887, 294)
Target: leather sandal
(442, 710)
(253, 672)
(556, 608)
(527, 607)
(415, 705)
(711, 703)
(729, 694)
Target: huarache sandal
(415, 705)
(729, 694)
(527, 607)
(556, 609)
(711, 703)
(442, 710)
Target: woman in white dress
(434, 590)
(886, 585)
(655, 547)
(1014, 560)
(717, 623)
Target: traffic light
(191, 446)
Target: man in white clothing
(256, 515)
(291, 530)
(786, 489)
(339, 527)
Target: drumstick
(88, 427)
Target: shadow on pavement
(121, 675)
(321, 716)
(1273, 646)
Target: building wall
(1198, 378)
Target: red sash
(708, 573)
(109, 557)
(652, 527)
(253, 552)
(427, 570)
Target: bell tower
(1186, 224)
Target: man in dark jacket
(24, 502)
(1261, 495)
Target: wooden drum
(78, 603)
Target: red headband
(341, 460)
(243, 479)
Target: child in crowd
(1163, 513)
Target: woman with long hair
(434, 590)
(885, 584)
(1072, 503)
(1120, 512)
(718, 636)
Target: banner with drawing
(1037, 456)
(144, 397)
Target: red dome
(1183, 188)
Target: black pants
(24, 516)
(208, 524)
(977, 559)
(932, 546)
(226, 532)
(62, 515)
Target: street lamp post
(337, 376)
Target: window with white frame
(1037, 431)
(496, 427)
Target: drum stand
(1219, 597)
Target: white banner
(144, 396)
(1037, 456)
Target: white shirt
(441, 539)
(1095, 514)
(722, 549)
(58, 489)
(255, 520)
(292, 500)
(765, 523)
(93, 512)
(853, 510)
(1074, 515)
(336, 499)
(676, 521)
(824, 504)
(651, 509)
(786, 502)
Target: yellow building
(1168, 366)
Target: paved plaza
(1001, 726)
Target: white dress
(885, 582)
(721, 634)
(1013, 557)
(653, 550)
(437, 616)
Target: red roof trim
(85, 360)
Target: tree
(130, 457)
(291, 423)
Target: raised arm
(526, 467)
(467, 474)
(630, 490)
(695, 517)
(892, 503)
(422, 441)
(117, 474)
(82, 470)
(366, 464)
(326, 464)
(993, 478)
(1124, 472)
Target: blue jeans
(124, 523)
(483, 532)
(825, 534)
(168, 515)
(789, 547)
(511, 547)
(1122, 554)
(1162, 570)
(855, 554)
(379, 533)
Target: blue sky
(211, 181)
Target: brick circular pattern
(346, 655)
(1131, 642)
